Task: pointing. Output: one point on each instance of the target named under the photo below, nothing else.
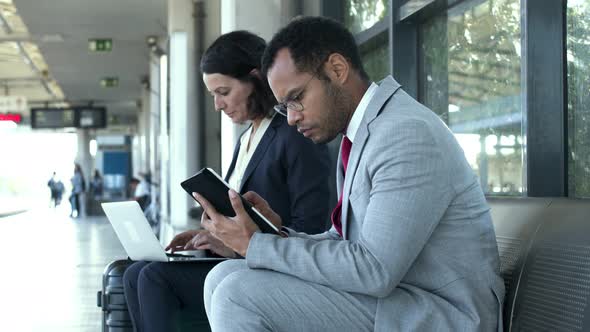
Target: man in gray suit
(412, 247)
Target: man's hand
(262, 206)
(205, 240)
(179, 241)
(234, 232)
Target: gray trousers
(238, 298)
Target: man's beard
(338, 110)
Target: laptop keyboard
(180, 257)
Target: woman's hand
(205, 240)
(179, 242)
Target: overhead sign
(45, 118)
(14, 117)
(91, 117)
(100, 45)
(17, 104)
(77, 117)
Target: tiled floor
(51, 270)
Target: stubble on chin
(338, 109)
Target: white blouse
(245, 153)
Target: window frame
(543, 77)
(544, 82)
(364, 39)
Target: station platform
(52, 267)
(12, 205)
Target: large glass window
(578, 77)
(470, 76)
(360, 15)
(375, 57)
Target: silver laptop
(137, 237)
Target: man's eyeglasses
(293, 104)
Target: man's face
(326, 105)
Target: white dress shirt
(245, 153)
(359, 112)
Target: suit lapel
(230, 170)
(386, 89)
(265, 142)
(353, 162)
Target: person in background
(133, 182)
(270, 157)
(96, 184)
(60, 188)
(142, 190)
(78, 187)
(53, 190)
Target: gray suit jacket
(417, 229)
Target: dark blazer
(291, 173)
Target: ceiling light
(152, 40)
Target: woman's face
(230, 96)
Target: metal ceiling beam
(26, 57)
(25, 37)
(20, 79)
(14, 37)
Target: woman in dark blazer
(291, 173)
(271, 158)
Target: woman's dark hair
(236, 54)
(311, 40)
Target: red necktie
(337, 212)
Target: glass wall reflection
(578, 78)
(360, 15)
(470, 76)
(375, 57)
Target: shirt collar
(359, 112)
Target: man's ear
(337, 68)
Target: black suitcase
(115, 317)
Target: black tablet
(211, 186)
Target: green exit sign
(100, 45)
(109, 82)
